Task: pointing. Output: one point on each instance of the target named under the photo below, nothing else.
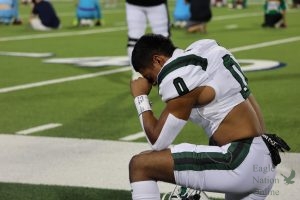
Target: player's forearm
(149, 125)
(146, 117)
(161, 133)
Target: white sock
(145, 190)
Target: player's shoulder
(179, 74)
(203, 43)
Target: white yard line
(266, 44)
(38, 128)
(61, 34)
(96, 164)
(26, 54)
(62, 80)
(92, 75)
(133, 136)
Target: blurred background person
(138, 14)
(88, 13)
(296, 4)
(9, 12)
(218, 3)
(43, 16)
(201, 14)
(275, 14)
(181, 14)
(239, 4)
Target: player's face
(151, 71)
(150, 75)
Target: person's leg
(5, 16)
(159, 19)
(145, 190)
(181, 13)
(195, 27)
(193, 166)
(147, 168)
(260, 174)
(279, 21)
(264, 24)
(234, 169)
(85, 17)
(137, 24)
(154, 165)
(36, 24)
(16, 9)
(269, 20)
(98, 14)
(78, 16)
(272, 19)
(245, 3)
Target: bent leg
(147, 168)
(36, 24)
(242, 170)
(154, 165)
(137, 24)
(6, 16)
(159, 19)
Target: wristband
(142, 104)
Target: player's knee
(135, 163)
(136, 168)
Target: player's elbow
(158, 146)
(152, 135)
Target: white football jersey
(205, 63)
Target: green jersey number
(184, 61)
(180, 86)
(231, 65)
(235, 69)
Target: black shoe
(98, 23)
(17, 22)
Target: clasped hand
(140, 86)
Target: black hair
(147, 46)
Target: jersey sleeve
(181, 75)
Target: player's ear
(157, 59)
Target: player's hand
(140, 86)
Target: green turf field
(102, 108)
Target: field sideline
(63, 162)
(61, 124)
